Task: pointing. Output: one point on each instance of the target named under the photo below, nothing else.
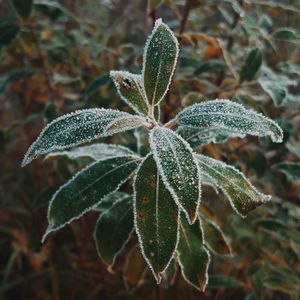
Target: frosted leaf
(214, 237)
(242, 195)
(156, 217)
(193, 257)
(130, 89)
(229, 115)
(94, 152)
(201, 136)
(142, 136)
(113, 230)
(276, 85)
(79, 127)
(290, 169)
(178, 168)
(87, 188)
(206, 180)
(159, 61)
(108, 201)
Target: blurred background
(55, 57)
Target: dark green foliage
(56, 57)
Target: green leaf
(289, 68)
(216, 281)
(108, 201)
(142, 137)
(210, 66)
(251, 66)
(193, 258)
(113, 230)
(94, 152)
(87, 188)
(79, 127)
(130, 89)
(23, 7)
(242, 195)
(198, 137)
(95, 85)
(286, 34)
(214, 238)
(276, 85)
(179, 169)
(290, 169)
(278, 229)
(228, 115)
(156, 217)
(8, 32)
(54, 4)
(160, 57)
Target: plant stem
(230, 41)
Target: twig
(230, 41)
(152, 15)
(187, 9)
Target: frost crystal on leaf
(200, 136)
(179, 169)
(160, 57)
(87, 188)
(229, 115)
(156, 217)
(242, 195)
(130, 89)
(94, 152)
(79, 127)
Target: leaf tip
(48, 230)
(192, 217)
(157, 278)
(158, 22)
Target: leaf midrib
(99, 178)
(232, 183)
(221, 114)
(62, 132)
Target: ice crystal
(231, 116)
(178, 168)
(79, 127)
(94, 152)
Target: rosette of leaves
(163, 209)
